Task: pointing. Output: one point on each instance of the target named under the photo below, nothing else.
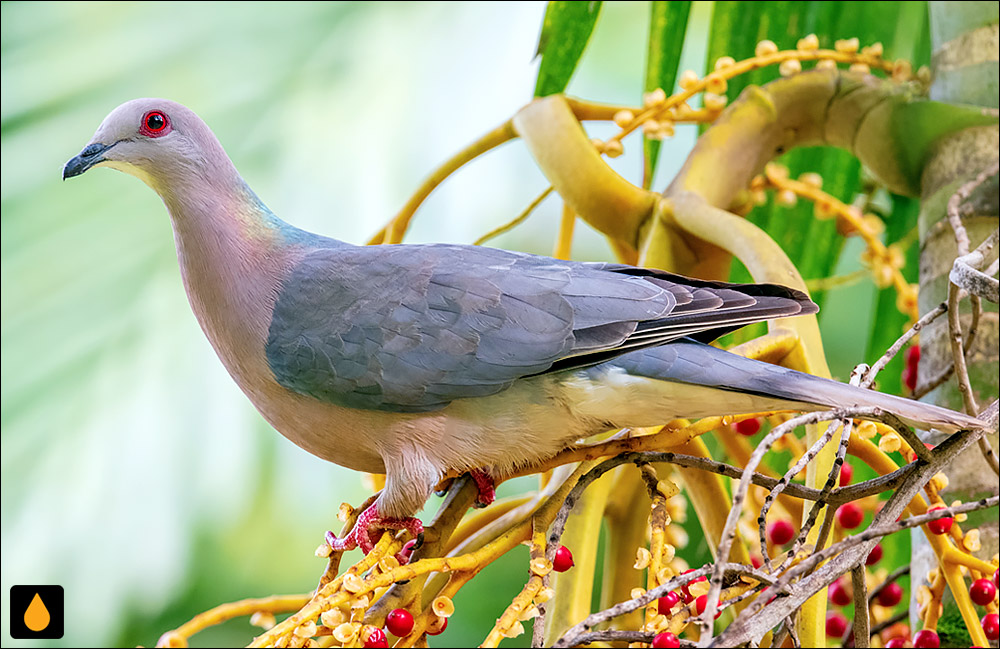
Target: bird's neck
(233, 255)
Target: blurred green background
(134, 472)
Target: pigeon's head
(157, 140)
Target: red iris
(155, 123)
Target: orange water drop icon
(36, 617)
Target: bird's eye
(154, 124)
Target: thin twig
(517, 220)
(861, 625)
(732, 520)
(890, 353)
(753, 622)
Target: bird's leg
(486, 485)
(369, 527)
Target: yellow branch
(393, 231)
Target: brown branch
(861, 626)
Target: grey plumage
(411, 328)
(419, 360)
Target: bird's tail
(698, 364)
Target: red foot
(368, 529)
(486, 485)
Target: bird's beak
(90, 156)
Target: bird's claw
(487, 488)
(369, 529)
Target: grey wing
(412, 328)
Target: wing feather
(412, 328)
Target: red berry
(913, 356)
(991, 626)
(846, 474)
(748, 427)
(926, 638)
(563, 560)
(839, 594)
(666, 603)
(687, 596)
(399, 622)
(780, 532)
(940, 525)
(875, 555)
(437, 628)
(666, 640)
(849, 516)
(836, 624)
(376, 639)
(895, 643)
(995, 582)
(983, 591)
(701, 604)
(891, 595)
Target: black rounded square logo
(36, 612)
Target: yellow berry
(642, 558)
(875, 49)
(906, 300)
(443, 606)
(716, 84)
(860, 68)
(847, 45)
(528, 613)
(540, 566)
(826, 64)
(890, 442)
(515, 630)
(786, 198)
(654, 97)
(352, 583)
(263, 619)
(724, 62)
(883, 278)
(332, 618)
(623, 118)
(306, 630)
(665, 130)
(810, 42)
(613, 148)
(790, 67)
(896, 257)
(811, 179)
(971, 541)
(346, 632)
(765, 47)
(901, 70)
(689, 79)
(873, 224)
(712, 101)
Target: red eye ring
(155, 123)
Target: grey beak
(90, 156)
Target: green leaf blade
(667, 26)
(566, 30)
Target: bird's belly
(343, 436)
